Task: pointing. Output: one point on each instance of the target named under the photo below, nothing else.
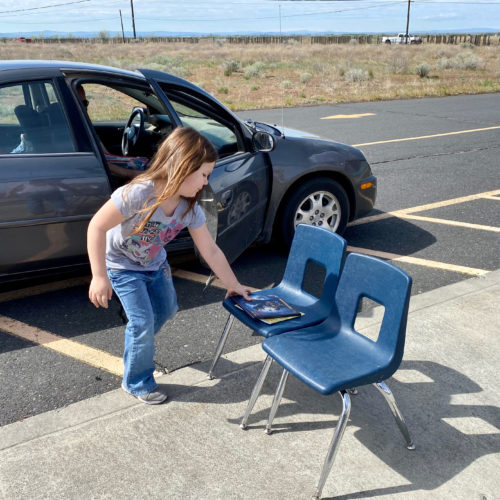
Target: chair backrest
(382, 282)
(28, 117)
(33, 125)
(318, 245)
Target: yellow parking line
(60, 285)
(492, 197)
(422, 208)
(76, 350)
(201, 278)
(427, 136)
(338, 117)
(420, 262)
(451, 222)
(46, 287)
(81, 352)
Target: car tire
(318, 202)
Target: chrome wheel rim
(320, 208)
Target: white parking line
(404, 139)
(449, 222)
(472, 271)
(422, 208)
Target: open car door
(235, 201)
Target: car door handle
(226, 198)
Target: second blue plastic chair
(310, 244)
(333, 357)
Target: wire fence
(453, 39)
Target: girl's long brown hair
(179, 155)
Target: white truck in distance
(401, 38)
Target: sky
(243, 16)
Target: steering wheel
(133, 132)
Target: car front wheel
(318, 202)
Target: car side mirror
(263, 142)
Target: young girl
(125, 245)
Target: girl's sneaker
(156, 397)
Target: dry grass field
(293, 74)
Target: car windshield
(219, 134)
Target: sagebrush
(259, 76)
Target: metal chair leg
(220, 345)
(389, 397)
(276, 401)
(256, 390)
(334, 445)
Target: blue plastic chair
(310, 243)
(333, 357)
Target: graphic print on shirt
(144, 247)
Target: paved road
(443, 195)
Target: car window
(218, 133)
(32, 120)
(109, 108)
(107, 104)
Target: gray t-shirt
(144, 251)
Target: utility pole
(281, 38)
(133, 18)
(121, 21)
(407, 22)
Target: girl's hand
(100, 291)
(239, 289)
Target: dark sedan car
(64, 150)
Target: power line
(390, 3)
(43, 7)
(380, 4)
(430, 2)
(32, 11)
(59, 22)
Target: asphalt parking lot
(437, 217)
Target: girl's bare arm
(108, 216)
(217, 261)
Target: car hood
(319, 147)
(298, 135)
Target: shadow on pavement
(442, 450)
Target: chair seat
(314, 313)
(329, 362)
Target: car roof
(63, 65)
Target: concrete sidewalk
(113, 446)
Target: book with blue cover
(264, 307)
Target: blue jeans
(149, 300)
